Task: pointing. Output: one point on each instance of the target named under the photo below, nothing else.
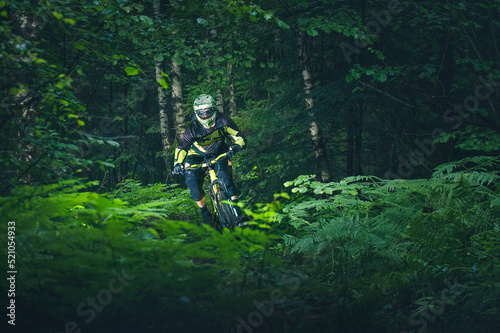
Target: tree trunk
(26, 152)
(358, 136)
(219, 101)
(350, 144)
(322, 165)
(230, 88)
(162, 107)
(166, 144)
(179, 118)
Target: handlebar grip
(204, 165)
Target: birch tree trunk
(166, 144)
(162, 109)
(322, 165)
(230, 88)
(219, 101)
(25, 99)
(179, 118)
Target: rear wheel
(227, 215)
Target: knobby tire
(226, 212)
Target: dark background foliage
(371, 171)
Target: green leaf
(79, 46)
(283, 24)
(131, 70)
(201, 21)
(146, 19)
(57, 15)
(154, 232)
(163, 83)
(108, 164)
(483, 112)
(113, 143)
(80, 122)
(69, 21)
(159, 57)
(312, 32)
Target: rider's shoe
(243, 219)
(207, 217)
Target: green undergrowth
(359, 255)
(417, 254)
(122, 261)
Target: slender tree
(162, 96)
(179, 118)
(315, 133)
(230, 89)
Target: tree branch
(109, 138)
(388, 95)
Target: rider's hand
(233, 150)
(178, 169)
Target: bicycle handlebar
(205, 164)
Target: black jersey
(198, 141)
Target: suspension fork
(213, 176)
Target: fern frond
(480, 163)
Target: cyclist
(206, 136)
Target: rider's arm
(232, 130)
(180, 155)
(182, 149)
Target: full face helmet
(204, 110)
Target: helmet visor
(205, 113)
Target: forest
(371, 172)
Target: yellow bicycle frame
(213, 176)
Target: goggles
(205, 113)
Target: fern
(479, 163)
(413, 234)
(69, 243)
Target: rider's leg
(194, 181)
(201, 203)
(224, 173)
(207, 217)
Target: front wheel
(228, 218)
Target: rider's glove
(178, 169)
(233, 150)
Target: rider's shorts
(194, 180)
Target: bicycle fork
(213, 189)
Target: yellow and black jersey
(198, 141)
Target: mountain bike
(225, 214)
